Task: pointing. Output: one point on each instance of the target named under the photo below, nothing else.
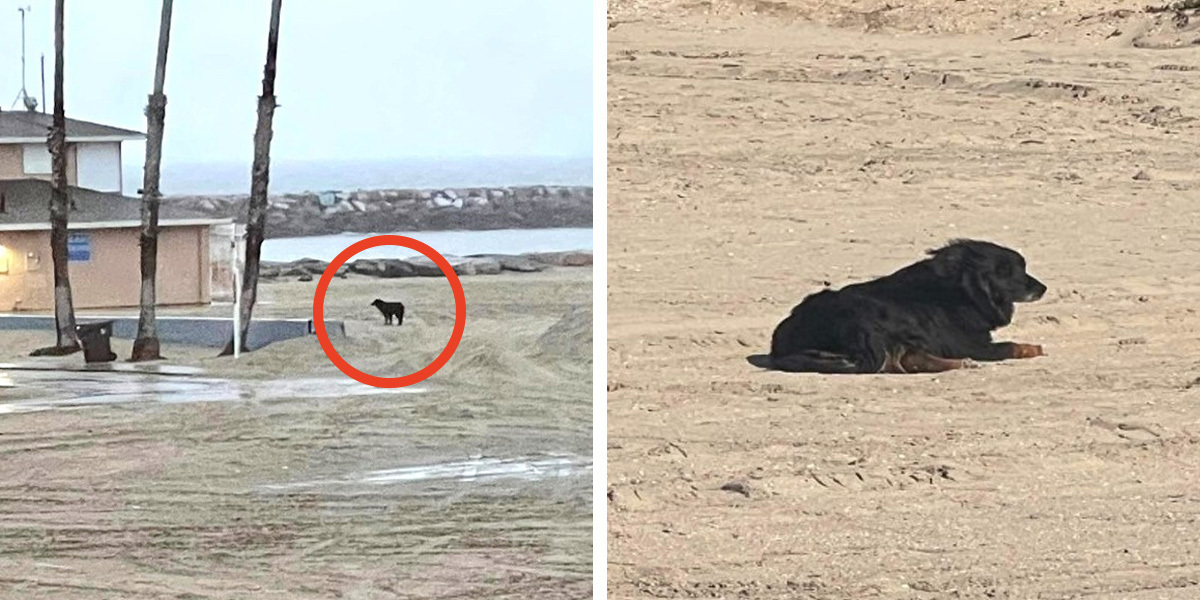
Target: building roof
(26, 126)
(27, 207)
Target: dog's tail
(817, 361)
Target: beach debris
(737, 487)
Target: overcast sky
(369, 79)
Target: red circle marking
(460, 311)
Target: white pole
(237, 315)
(237, 299)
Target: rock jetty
(306, 269)
(386, 211)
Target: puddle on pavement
(67, 390)
(549, 466)
(107, 367)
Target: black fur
(944, 306)
(390, 310)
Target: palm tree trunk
(256, 221)
(64, 310)
(146, 346)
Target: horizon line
(249, 161)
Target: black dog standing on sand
(390, 310)
(932, 316)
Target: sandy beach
(291, 481)
(761, 150)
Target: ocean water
(219, 178)
(459, 243)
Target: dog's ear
(948, 261)
(983, 292)
(958, 262)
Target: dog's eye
(1004, 270)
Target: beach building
(93, 151)
(103, 247)
(195, 253)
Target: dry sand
(759, 150)
(268, 495)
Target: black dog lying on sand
(932, 316)
(390, 310)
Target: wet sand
(290, 481)
(761, 150)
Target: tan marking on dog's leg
(915, 361)
(892, 363)
(1027, 350)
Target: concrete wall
(111, 279)
(213, 332)
(12, 164)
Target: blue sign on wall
(79, 247)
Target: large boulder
(574, 258)
(296, 268)
(387, 268)
(509, 262)
(462, 266)
(477, 266)
(394, 267)
(366, 266)
(311, 265)
(423, 267)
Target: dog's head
(992, 277)
(377, 303)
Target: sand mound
(570, 336)
(496, 353)
(487, 358)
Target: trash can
(95, 339)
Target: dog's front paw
(1027, 351)
(970, 364)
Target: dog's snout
(1034, 289)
